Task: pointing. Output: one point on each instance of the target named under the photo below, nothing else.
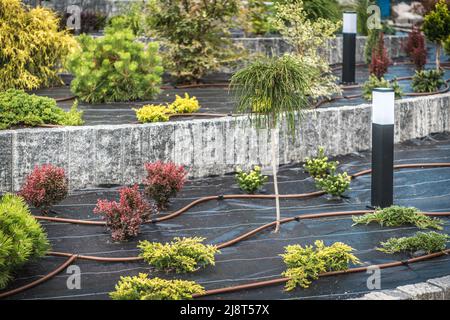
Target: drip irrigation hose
(241, 196)
(73, 257)
(68, 262)
(245, 235)
(272, 282)
(66, 99)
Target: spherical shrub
(164, 180)
(45, 186)
(124, 218)
(115, 67)
(21, 237)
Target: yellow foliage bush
(32, 47)
(186, 104)
(153, 113)
(161, 113)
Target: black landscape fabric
(256, 258)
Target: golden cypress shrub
(32, 47)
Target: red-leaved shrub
(163, 181)
(125, 217)
(45, 186)
(416, 49)
(380, 59)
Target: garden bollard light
(383, 106)
(349, 48)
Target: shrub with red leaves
(163, 181)
(380, 59)
(125, 218)
(416, 49)
(45, 186)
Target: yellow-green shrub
(307, 263)
(161, 113)
(180, 255)
(320, 167)
(250, 181)
(22, 238)
(142, 288)
(19, 108)
(153, 113)
(395, 216)
(32, 47)
(185, 105)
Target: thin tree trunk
(275, 179)
(438, 56)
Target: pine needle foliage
(180, 255)
(115, 67)
(305, 264)
(32, 46)
(142, 288)
(272, 87)
(428, 242)
(21, 237)
(395, 216)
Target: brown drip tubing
(72, 257)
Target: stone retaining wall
(433, 289)
(98, 155)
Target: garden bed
(220, 221)
(214, 97)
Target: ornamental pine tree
(436, 26)
(115, 67)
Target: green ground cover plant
(141, 287)
(305, 264)
(18, 108)
(180, 255)
(395, 216)
(428, 242)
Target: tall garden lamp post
(383, 102)
(349, 48)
